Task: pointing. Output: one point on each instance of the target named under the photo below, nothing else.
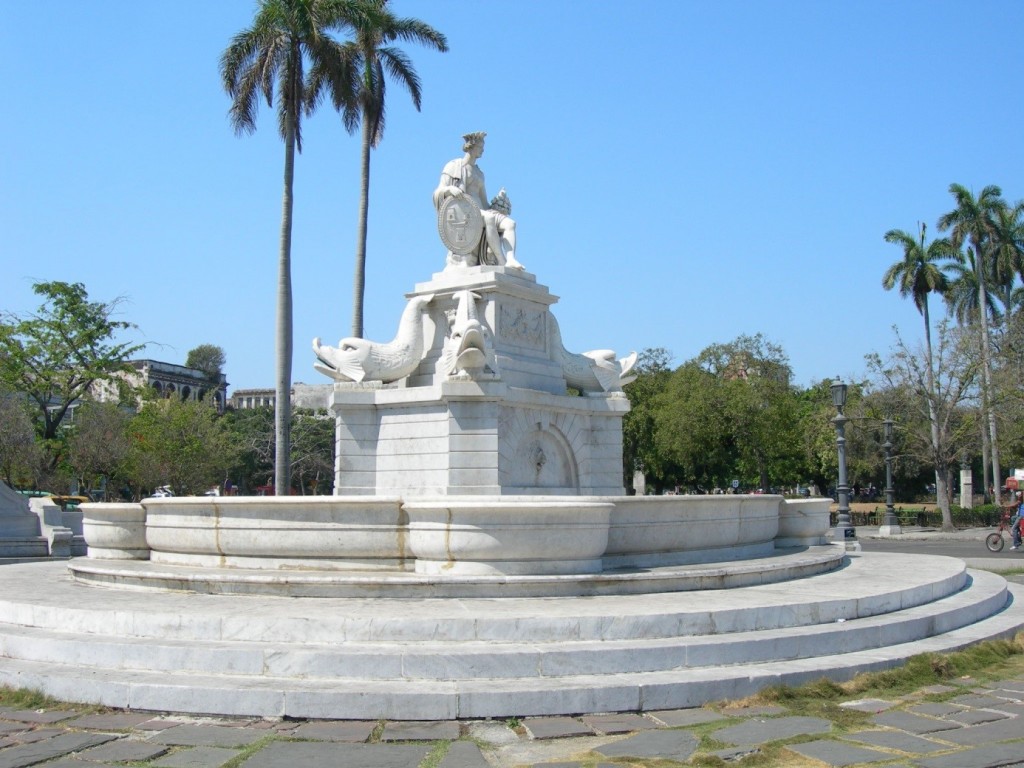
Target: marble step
(338, 698)
(38, 596)
(783, 565)
(417, 659)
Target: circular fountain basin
(650, 531)
(279, 532)
(115, 531)
(803, 522)
(497, 535)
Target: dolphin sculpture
(594, 371)
(464, 349)
(358, 360)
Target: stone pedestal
(966, 489)
(20, 534)
(465, 437)
(507, 427)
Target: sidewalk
(950, 726)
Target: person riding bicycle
(1016, 521)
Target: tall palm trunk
(986, 465)
(359, 280)
(941, 467)
(986, 373)
(283, 388)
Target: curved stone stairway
(473, 657)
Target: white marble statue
(464, 211)
(361, 360)
(594, 371)
(465, 348)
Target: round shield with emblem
(460, 224)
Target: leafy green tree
(935, 426)
(639, 447)
(181, 443)
(973, 222)
(98, 445)
(313, 451)
(371, 59)
(19, 456)
(252, 432)
(286, 38)
(731, 412)
(208, 358)
(56, 354)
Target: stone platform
(780, 566)
(471, 657)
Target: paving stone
(1012, 685)
(977, 717)
(868, 705)
(125, 751)
(556, 727)
(6, 728)
(837, 753)
(987, 733)
(161, 723)
(35, 734)
(907, 721)
(41, 717)
(197, 757)
(935, 709)
(977, 701)
(307, 754)
(624, 723)
(207, 736)
(766, 710)
(112, 721)
(72, 762)
(668, 745)
(40, 751)
(904, 742)
(987, 756)
(492, 732)
(682, 717)
(420, 731)
(761, 731)
(464, 754)
(356, 731)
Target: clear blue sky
(681, 172)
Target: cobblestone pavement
(963, 726)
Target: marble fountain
(480, 557)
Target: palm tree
(1008, 252)
(973, 221)
(917, 275)
(962, 292)
(285, 36)
(372, 59)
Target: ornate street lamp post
(891, 523)
(844, 530)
